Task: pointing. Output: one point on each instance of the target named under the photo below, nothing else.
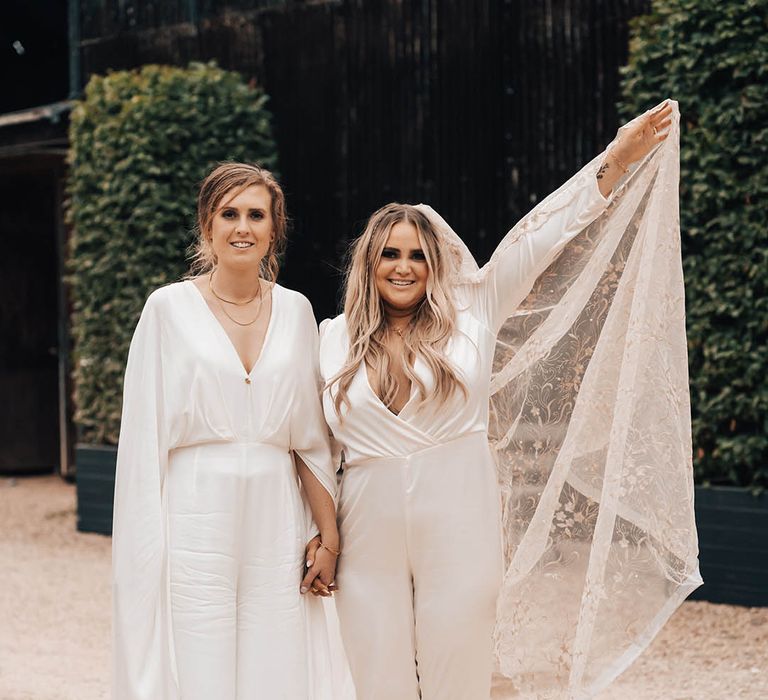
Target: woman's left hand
(320, 571)
(637, 139)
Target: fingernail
(309, 562)
(304, 589)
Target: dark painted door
(29, 401)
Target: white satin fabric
(209, 525)
(420, 572)
(579, 320)
(419, 501)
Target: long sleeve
(143, 661)
(337, 451)
(531, 246)
(590, 423)
(309, 432)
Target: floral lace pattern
(590, 425)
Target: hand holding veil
(590, 427)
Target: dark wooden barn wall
(478, 108)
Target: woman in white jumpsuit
(419, 504)
(221, 411)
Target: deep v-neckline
(399, 414)
(223, 331)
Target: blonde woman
(222, 432)
(408, 369)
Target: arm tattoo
(602, 170)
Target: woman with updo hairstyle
(224, 471)
(515, 509)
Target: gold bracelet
(618, 162)
(335, 552)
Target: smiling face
(402, 271)
(241, 229)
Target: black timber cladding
(478, 108)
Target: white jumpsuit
(209, 523)
(419, 506)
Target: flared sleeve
(143, 657)
(589, 423)
(337, 451)
(527, 250)
(590, 426)
(309, 433)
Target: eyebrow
(231, 206)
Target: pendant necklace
(399, 331)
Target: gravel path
(54, 617)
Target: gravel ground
(54, 617)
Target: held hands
(637, 139)
(320, 572)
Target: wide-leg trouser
(420, 572)
(236, 548)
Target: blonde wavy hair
(430, 328)
(233, 178)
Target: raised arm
(529, 248)
(633, 142)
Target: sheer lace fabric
(590, 427)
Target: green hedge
(141, 141)
(712, 56)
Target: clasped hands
(320, 572)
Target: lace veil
(590, 427)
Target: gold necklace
(227, 314)
(400, 331)
(242, 323)
(229, 301)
